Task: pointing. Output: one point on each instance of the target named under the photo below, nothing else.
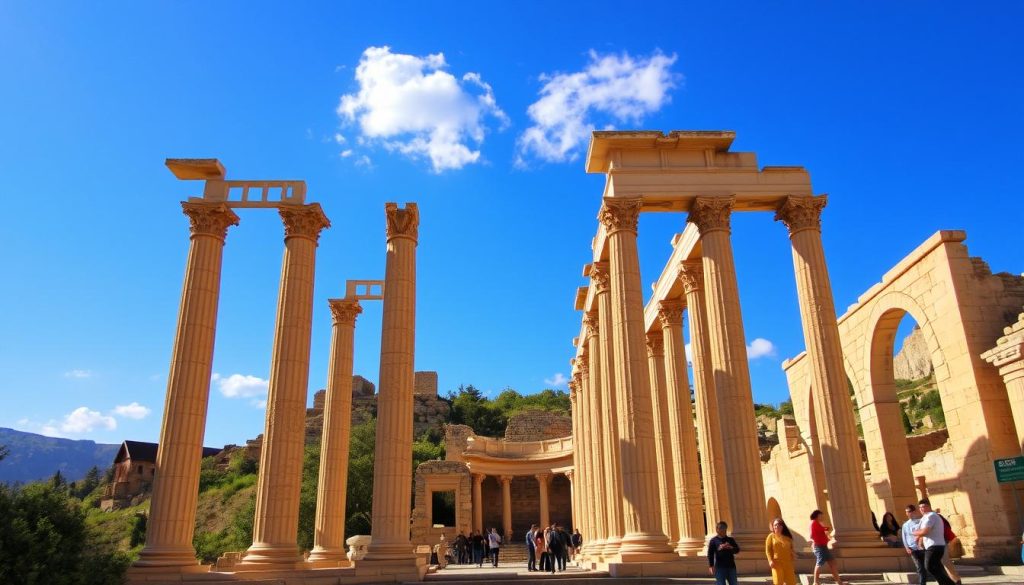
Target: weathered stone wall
(456, 440)
(920, 445)
(434, 476)
(537, 425)
(425, 384)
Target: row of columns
(645, 459)
(544, 484)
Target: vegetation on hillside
(490, 417)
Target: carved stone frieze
(306, 221)
(801, 213)
(209, 219)
(711, 213)
(620, 214)
(344, 311)
(402, 223)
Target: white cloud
(78, 421)
(241, 385)
(611, 89)
(78, 374)
(133, 410)
(759, 348)
(412, 106)
(689, 354)
(557, 380)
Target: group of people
(551, 548)
(474, 548)
(926, 536)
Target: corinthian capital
(304, 221)
(711, 213)
(402, 223)
(801, 213)
(691, 274)
(345, 311)
(599, 275)
(620, 214)
(591, 323)
(655, 344)
(208, 219)
(671, 312)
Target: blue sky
(909, 115)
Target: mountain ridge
(36, 457)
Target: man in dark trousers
(721, 550)
(931, 530)
(531, 548)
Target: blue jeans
(723, 574)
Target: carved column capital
(478, 478)
(305, 221)
(583, 369)
(620, 214)
(344, 311)
(711, 213)
(599, 275)
(402, 223)
(569, 473)
(207, 219)
(691, 274)
(543, 478)
(655, 344)
(506, 479)
(591, 323)
(671, 312)
(801, 213)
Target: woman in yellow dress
(778, 547)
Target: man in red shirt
(822, 554)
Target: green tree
(908, 428)
(307, 496)
(470, 407)
(87, 485)
(360, 478)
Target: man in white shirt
(910, 543)
(930, 530)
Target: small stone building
(134, 469)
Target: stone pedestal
(275, 528)
(728, 349)
(176, 485)
(643, 540)
(329, 530)
(392, 473)
(836, 428)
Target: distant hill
(33, 457)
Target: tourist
(563, 546)
(476, 541)
(912, 544)
(461, 548)
(931, 532)
(778, 547)
(494, 543)
(721, 552)
(551, 544)
(540, 543)
(531, 548)
(889, 530)
(822, 554)
(577, 542)
(950, 537)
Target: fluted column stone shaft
(544, 482)
(581, 447)
(611, 463)
(837, 429)
(392, 470)
(712, 460)
(329, 528)
(506, 507)
(662, 444)
(596, 478)
(643, 539)
(275, 527)
(176, 484)
(731, 371)
(478, 505)
(681, 431)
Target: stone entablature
(477, 446)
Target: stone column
(543, 481)
(329, 530)
(716, 492)
(275, 528)
(663, 447)
(569, 474)
(580, 445)
(172, 510)
(506, 506)
(833, 408)
(609, 425)
(594, 540)
(643, 539)
(731, 372)
(478, 504)
(682, 435)
(1008, 356)
(392, 470)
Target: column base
(690, 547)
(261, 557)
(646, 547)
(377, 551)
(398, 570)
(610, 548)
(167, 557)
(327, 557)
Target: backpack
(947, 530)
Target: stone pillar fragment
(275, 528)
(833, 408)
(643, 539)
(392, 471)
(1008, 356)
(716, 493)
(543, 482)
(663, 448)
(478, 505)
(329, 530)
(731, 371)
(506, 506)
(176, 484)
(609, 425)
(681, 433)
